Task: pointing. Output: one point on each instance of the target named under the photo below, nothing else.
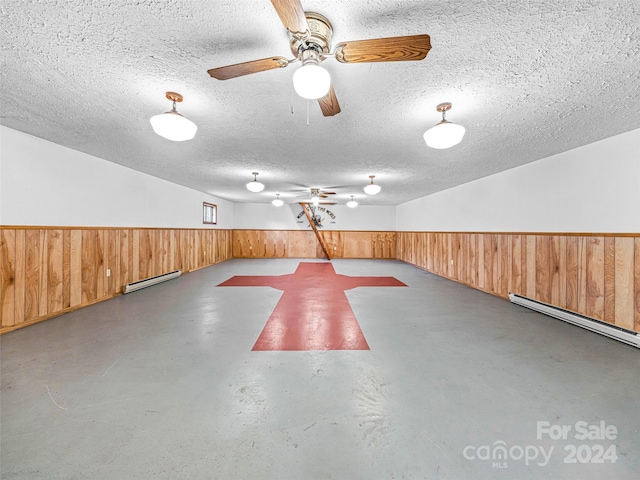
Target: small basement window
(209, 213)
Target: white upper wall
(42, 183)
(593, 188)
(260, 216)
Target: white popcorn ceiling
(528, 79)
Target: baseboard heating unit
(612, 331)
(147, 282)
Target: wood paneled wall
(595, 275)
(303, 244)
(48, 271)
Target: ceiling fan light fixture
(172, 125)
(445, 134)
(311, 81)
(352, 203)
(372, 188)
(277, 202)
(255, 186)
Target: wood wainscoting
(303, 244)
(597, 275)
(47, 271)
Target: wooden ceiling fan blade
(246, 68)
(292, 16)
(392, 49)
(329, 103)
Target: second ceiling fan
(310, 41)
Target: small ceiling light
(172, 125)
(352, 203)
(445, 134)
(372, 188)
(315, 200)
(255, 186)
(277, 202)
(311, 81)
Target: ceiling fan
(316, 196)
(310, 41)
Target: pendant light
(445, 134)
(277, 202)
(352, 203)
(255, 186)
(372, 188)
(172, 125)
(311, 81)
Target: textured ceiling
(528, 79)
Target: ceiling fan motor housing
(320, 40)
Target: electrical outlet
(205, 253)
(335, 248)
(250, 247)
(108, 272)
(451, 262)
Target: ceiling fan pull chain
(307, 113)
(292, 92)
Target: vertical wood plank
(595, 277)
(145, 255)
(89, 286)
(20, 277)
(32, 285)
(562, 271)
(515, 276)
(7, 274)
(554, 270)
(55, 271)
(125, 259)
(135, 255)
(488, 253)
(66, 269)
(112, 243)
(495, 263)
(572, 274)
(480, 259)
(473, 260)
(177, 250)
(637, 283)
(582, 275)
(75, 268)
(172, 250)
(523, 264)
(193, 250)
(44, 274)
(624, 280)
(166, 251)
(610, 279)
(504, 246)
(543, 284)
(531, 266)
(100, 261)
(454, 255)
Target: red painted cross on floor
(313, 312)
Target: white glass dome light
(445, 134)
(172, 125)
(352, 203)
(277, 202)
(372, 188)
(315, 200)
(311, 81)
(255, 186)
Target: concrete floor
(162, 384)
